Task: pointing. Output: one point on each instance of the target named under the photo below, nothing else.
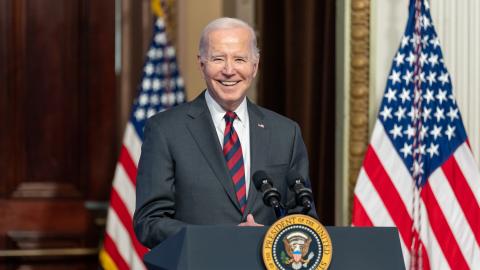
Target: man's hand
(250, 222)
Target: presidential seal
(297, 242)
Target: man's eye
(217, 60)
(240, 60)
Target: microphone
(271, 196)
(303, 195)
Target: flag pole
(416, 246)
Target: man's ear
(255, 66)
(201, 66)
(200, 62)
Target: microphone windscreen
(293, 176)
(258, 178)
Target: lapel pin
(261, 125)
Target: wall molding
(359, 91)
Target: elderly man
(197, 159)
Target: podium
(232, 247)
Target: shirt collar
(218, 112)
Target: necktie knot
(230, 116)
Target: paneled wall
(57, 136)
(458, 27)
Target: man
(197, 158)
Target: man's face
(229, 66)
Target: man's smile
(228, 83)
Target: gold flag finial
(157, 8)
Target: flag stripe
(125, 189)
(132, 142)
(373, 204)
(464, 196)
(453, 214)
(117, 232)
(424, 260)
(469, 169)
(128, 164)
(127, 221)
(393, 165)
(389, 195)
(360, 214)
(375, 209)
(442, 231)
(433, 253)
(112, 251)
(398, 175)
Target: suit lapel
(259, 134)
(203, 131)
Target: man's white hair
(227, 23)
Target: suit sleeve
(155, 189)
(299, 163)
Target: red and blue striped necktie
(232, 150)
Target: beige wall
(193, 15)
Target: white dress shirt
(241, 126)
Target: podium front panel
(231, 247)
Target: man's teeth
(228, 83)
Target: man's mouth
(228, 83)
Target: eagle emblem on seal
(297, 245)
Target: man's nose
(228, 68)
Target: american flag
(419, 173)
(161, 88)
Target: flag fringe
(106, 261)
